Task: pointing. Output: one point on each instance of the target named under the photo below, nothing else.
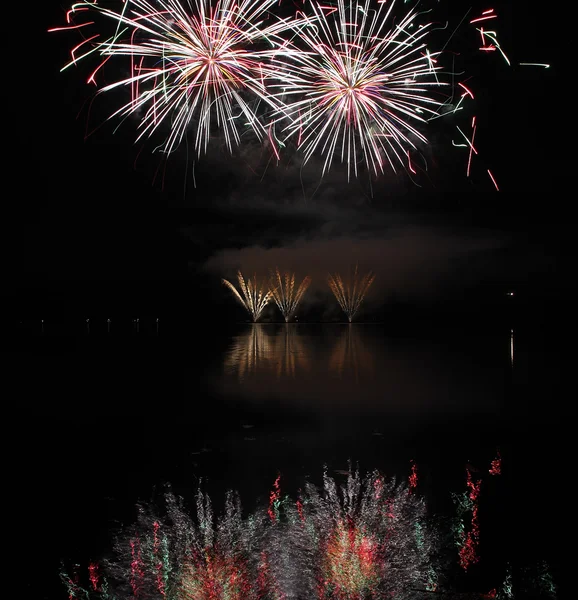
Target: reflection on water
(350, 356)
(358, 370)
(287, 351)
(354, 365)
(370, 537)
(263, 350)
(366, 539)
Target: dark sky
(100, 219)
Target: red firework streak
(468, 552)
(378, 487)
(496, 465)
(136, 567)
(413, 477)
(274, 498)
(159, 562)
(93, 575)
(299, 505)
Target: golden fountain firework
(350, 295)
(253, 296)
(285, 294)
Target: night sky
(96, 226)
(98, 223)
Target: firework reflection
(249, 354)
(350, 355)
(367, 538)
(335, 369)
(266, 349)
(290, 353)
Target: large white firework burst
(361, 86)
(192, 63)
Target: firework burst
(253, 296)
(361, 85)
(178, 557)
(286, 295)
(199, 63)
(365, 539)
(350, 294)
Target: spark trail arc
(197, 65)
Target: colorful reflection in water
(369, 538)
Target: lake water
(106, 414)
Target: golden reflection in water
(291, 353)
(357, 369)
(350, 355)
(266, 348)
(248, 352)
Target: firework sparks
(179, 557)
(413, 476)
(286, 295)
(350, 295)
(197, 66)
(211, 575)
(351, 82)
(496, 465)
(338, 544)
(360, 85)
(368, 537)
(254, 296)
(360, 539)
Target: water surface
(106, 418)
